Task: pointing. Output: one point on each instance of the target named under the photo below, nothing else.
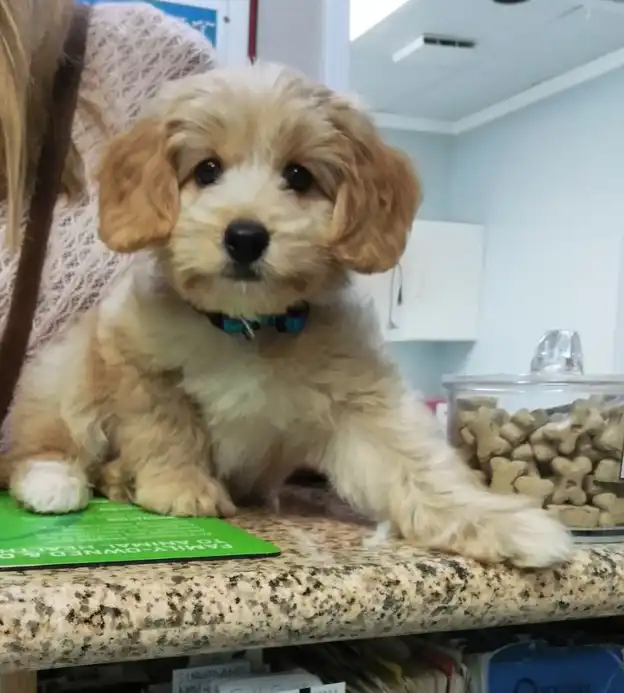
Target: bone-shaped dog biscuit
(534, 487)
(586, 448)
(605, 502)
(505, 472)
(467, 437)
(565, 434)
(513, 433)
(608, 470)
(519, 426)
(611, 440)
(526, 420)
(466, 417)
(522, 452)
(569, 476)
(584, 517)
(544, 452)
(485, 430)
(591, 487)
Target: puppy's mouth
(241, 273)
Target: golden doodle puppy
(234, 351)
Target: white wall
(548, 183)
(432, 156)
(290, 32)
(424, 363)
(309, 35)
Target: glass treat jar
(554, 434)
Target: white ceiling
(518, 47)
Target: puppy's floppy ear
(377, 200)
(139, 196)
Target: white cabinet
(434, 294)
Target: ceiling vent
(436, 48)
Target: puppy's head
(258, 188)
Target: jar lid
(558, 351)
(557, 360)
(509, 379)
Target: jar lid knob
(558, 351)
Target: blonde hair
(32, 34)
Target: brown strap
(57, 138)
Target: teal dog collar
(293, 321)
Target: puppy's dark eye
(298, 178)
(208, 172)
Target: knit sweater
(132, 50)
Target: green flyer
(108, 533)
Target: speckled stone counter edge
(325, 586)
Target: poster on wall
(225, 23)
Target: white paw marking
(52, 487)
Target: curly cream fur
(151, 403)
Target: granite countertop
(325, 586)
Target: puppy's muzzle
(245, 241)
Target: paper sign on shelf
(327, 688)
(199, 679)
(270, 683)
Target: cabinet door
(438, 295)
(434, 294)
(378, 288)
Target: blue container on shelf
(540, 668)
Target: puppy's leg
(114, 481)
(50, 483)
(48, 471)
(55, 434)
(187, 492)
(390, 462)
(164, 448)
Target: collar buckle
(248, 330)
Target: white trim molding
(336, 49)
(397, 122)
(573, 78)
(618, 346)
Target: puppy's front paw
(531, 538)
(50, 486)
(197, 495)
(510, 531)
(527, 537)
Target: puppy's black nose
(246, 240)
